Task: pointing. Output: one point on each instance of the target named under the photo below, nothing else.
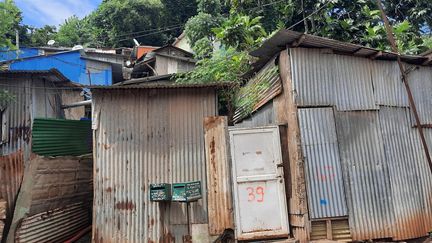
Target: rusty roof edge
(279, 41)
(164, 85)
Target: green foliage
(116, 22)
(200, 26)
(248, 96)
(10, 17)
(203, 48)
(212, 7)
(223, 66)
(241, 32)
(40, 36)
(72, 32)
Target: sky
(53, 12)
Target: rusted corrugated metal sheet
(18, 116)
(285, 37)
(220, 208)
(420, 80)
(259, 90)
(145, 136)
(406, 165)
(55, 225)
(366, 174)
(387, 82)
(11, 173)
(323, 166)
(50, 187)
(425, 179)
(326, 79)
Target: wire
(141, 31)
(313, 13)
(177, 26)
(157, 32)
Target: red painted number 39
(255, 194)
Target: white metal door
(259, 188)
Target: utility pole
(413, 107)
(17, 38)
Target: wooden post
(286, 113)
(220, 208)
(3, 207)
(413, 107)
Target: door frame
(285, 231)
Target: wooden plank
(329, 229)
(2, 224)
(286, 113)
(3, 208)
(220, 208)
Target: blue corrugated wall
(6, 55)
(71, 65)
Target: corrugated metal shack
(72, 64)
(7, 55)
(35, 94)
(149, 133)
(357, 167)
(162, 61)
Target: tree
(241, 32)
(72, 32)
(176, 13)
(10, 17)
(199, 28)
(117, 22)
(41, 36)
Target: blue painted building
(72, 64)
(7, 55)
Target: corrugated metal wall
(54, 201)
(321, 78)
(32, 97)
(366, 174)
(405, 159)
(60, 137)
(420, 80)
(323, 165)
(144, 137)
(54, 226)
(388, 184)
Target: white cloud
(54, 12)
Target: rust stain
(167, 238)
(12, 171)
(152, 222)
(109, 189)
(106, 146)
(258, 152)
(22, 132)
(212, 121)
(127, 205)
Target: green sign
(160, 192)
(187, 191)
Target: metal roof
(284, 38)
(52, 75)
(165, 77)
(162, 85)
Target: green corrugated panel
(58, 137)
